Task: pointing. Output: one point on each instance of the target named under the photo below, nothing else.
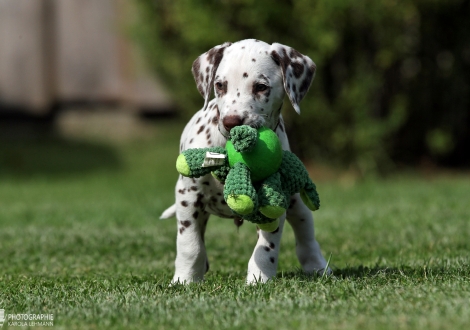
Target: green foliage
(389, 72)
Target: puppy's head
(249, 79)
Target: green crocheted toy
(259, 177)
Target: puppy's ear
(297, 70)
(204, 69)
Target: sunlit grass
(87, 245)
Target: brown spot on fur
(238, 221)
(200, 129)
(292, 203)
(305, 85)
(184, 203)
(186, 223)
(294, 54)
(198, 203)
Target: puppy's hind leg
(307, 248)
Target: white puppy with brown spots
(250, 79)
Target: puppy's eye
(260, 87)
(219, 86)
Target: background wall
(63, 51)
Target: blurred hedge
(393, 77)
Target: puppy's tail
(169, 212)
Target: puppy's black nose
(230, 122)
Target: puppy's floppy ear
(204, 69)
(297, 70)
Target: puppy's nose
(230, 122)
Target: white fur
(241, 66)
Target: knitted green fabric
(239, 191)
(257, 217)
(295, 178)
(189, 162)
(310, 196)
(259, 181)
(244, 138)
(263, 159)
(272, 200)
(221, 173)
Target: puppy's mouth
(226, 131)
(229, 122)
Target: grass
(80, 238)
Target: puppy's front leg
(191, 259)
(263, 262)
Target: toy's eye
(260, 87)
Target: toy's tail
(169, 212)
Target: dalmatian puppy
(250, 79)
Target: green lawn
(80, 238)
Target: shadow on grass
(29, 149)
(362, 272)
(421, 271)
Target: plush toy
(259, 177)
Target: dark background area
(392, 88)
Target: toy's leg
(239, 191)
(191, 259)
(263, 262)
(272, 202)
(307, 248)
(310, 196)
(189, 162)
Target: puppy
(250, 79)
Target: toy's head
(264, 159)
